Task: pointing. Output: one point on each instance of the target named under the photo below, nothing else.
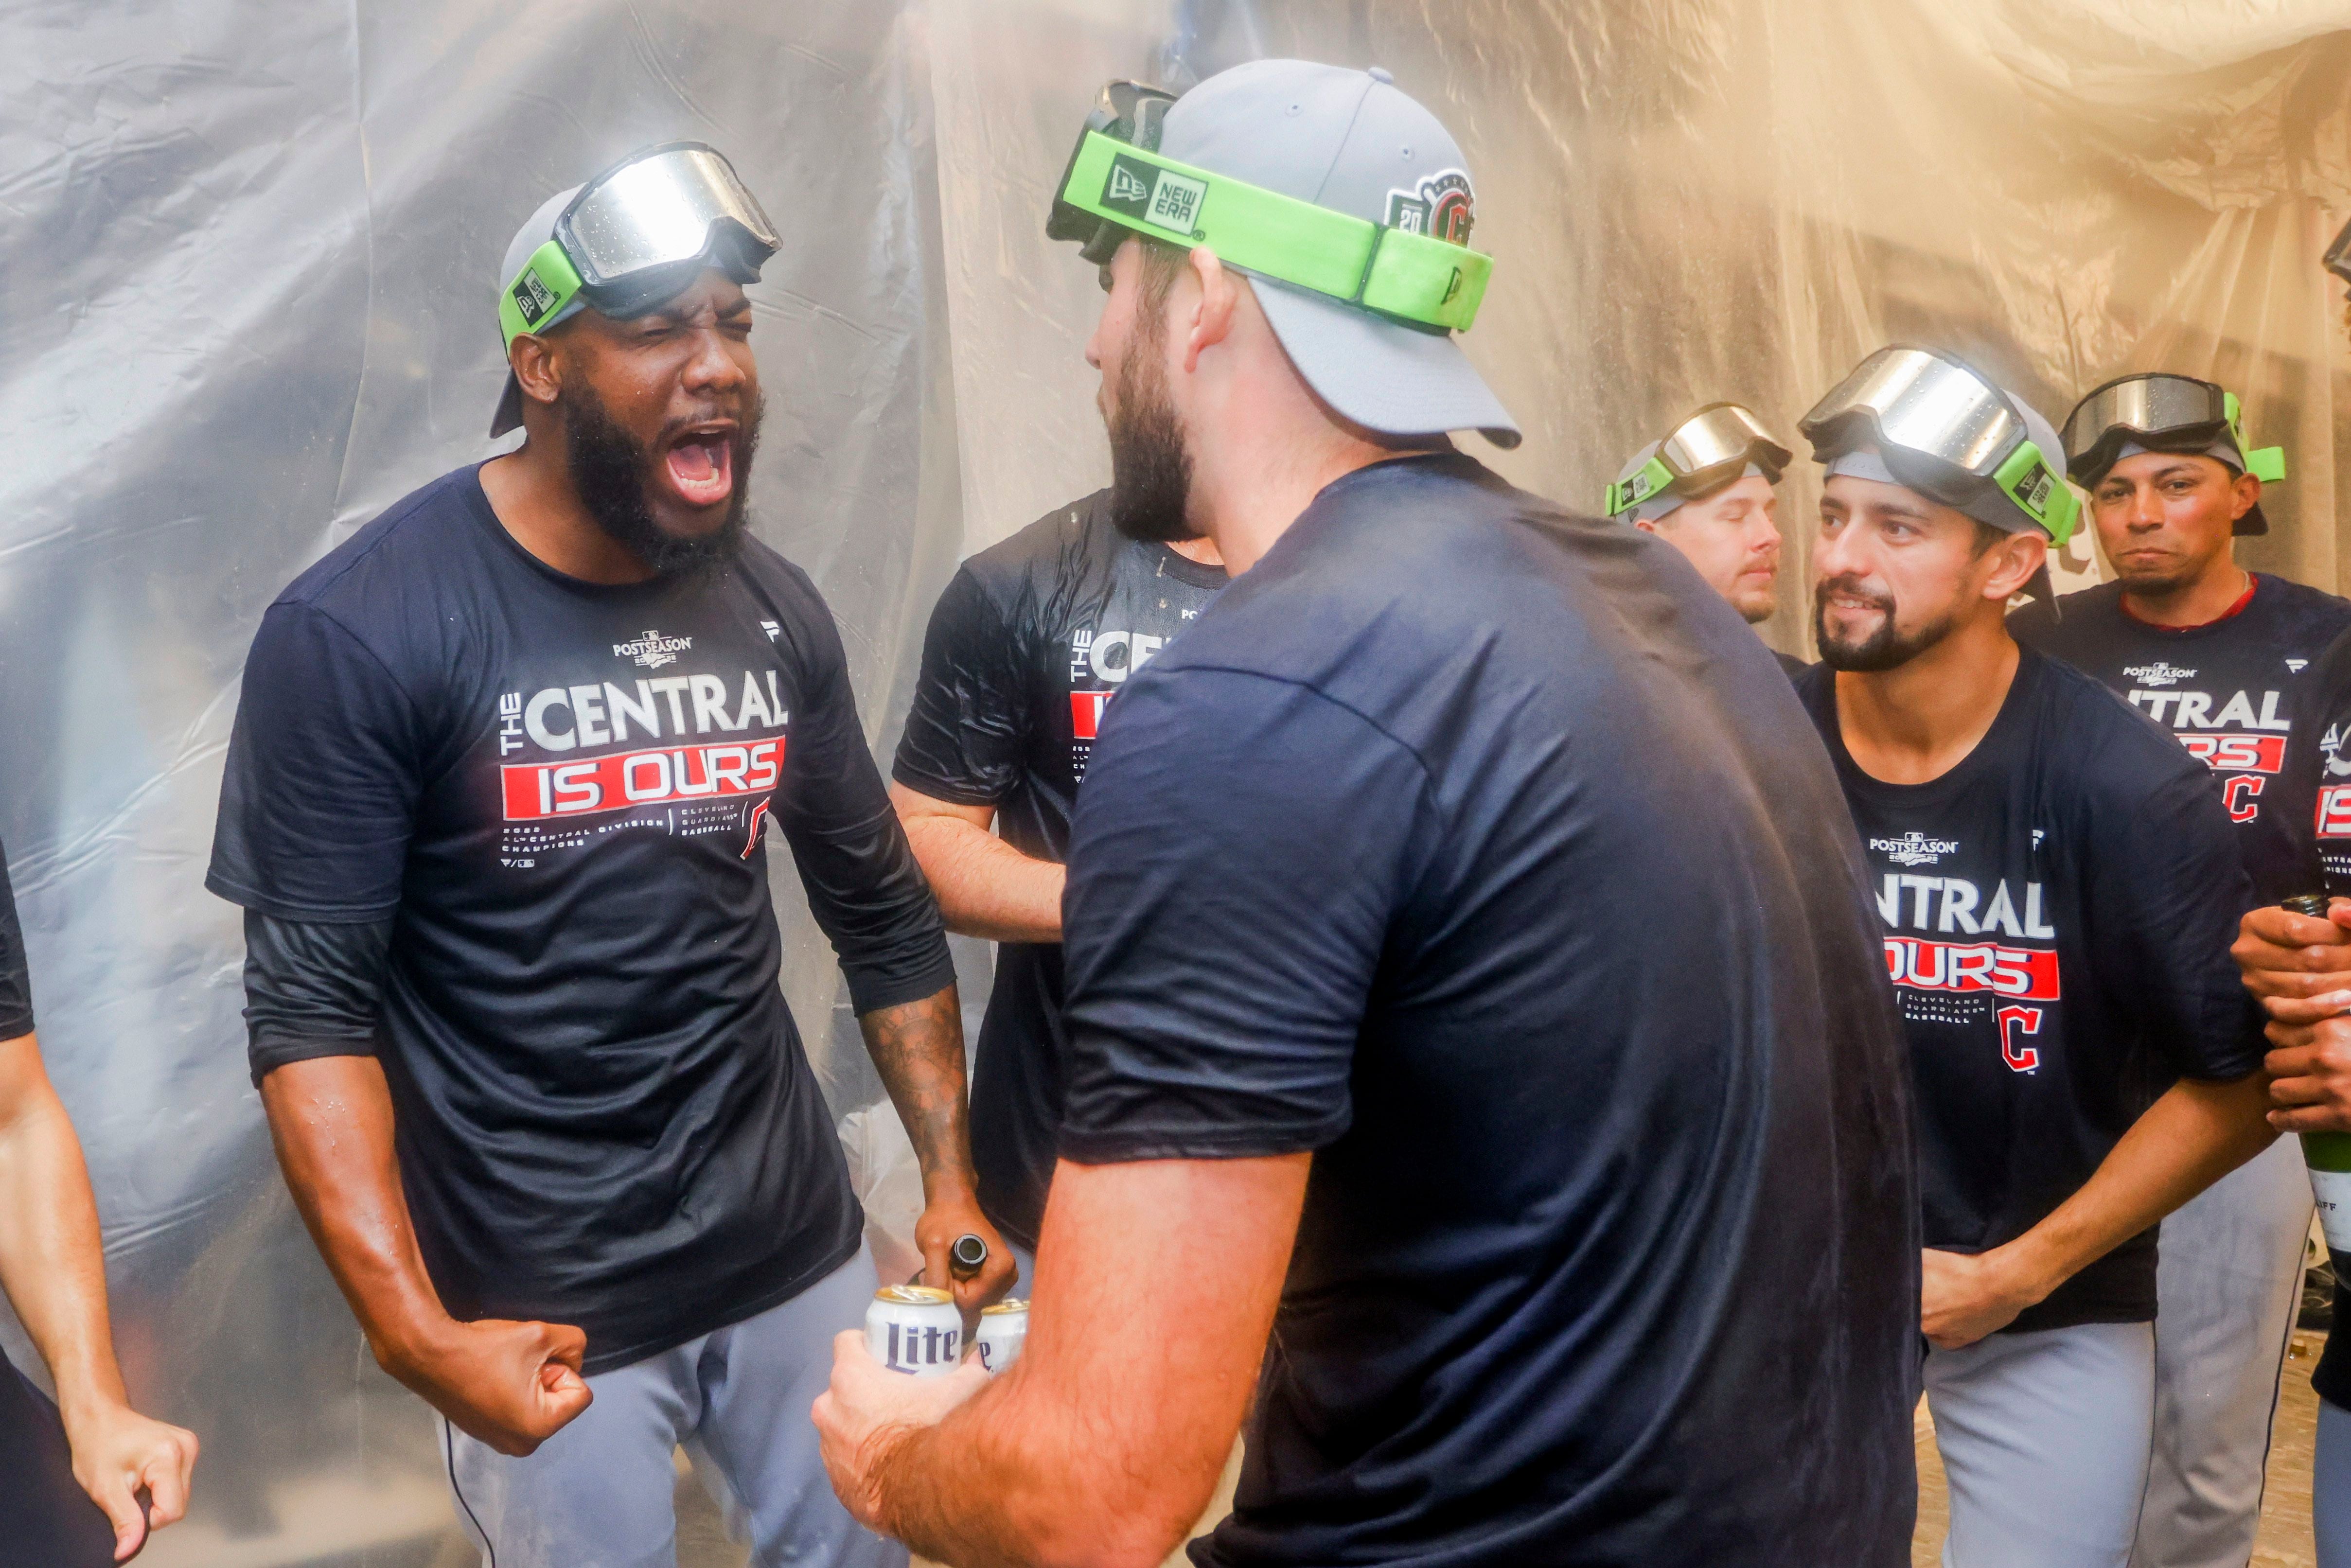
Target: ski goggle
(640, 233)
(1710, 448)
(1945, 431)
(1117, 182)
(2162, 414)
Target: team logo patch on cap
(1441, 205)
(1151, 194)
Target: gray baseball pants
(600, 1493)
(2227, 1286)
(2045, 1439)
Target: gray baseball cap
(536, 231)
(1350, 142)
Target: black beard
(1883, 649)
(1150, 472)
(610, 470)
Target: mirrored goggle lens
(2147, 404)
(1709, 439)
(1930, 406)
(658, 211)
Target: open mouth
(700, 466)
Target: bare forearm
(985, 886)
(51, 1264)
(918, 1048)
(331, 1120)
(1091, 1451)
(2190, 1138)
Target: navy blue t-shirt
(2229, 690)
(2058, 908)
(1026, 648)
(16, 982)
(560, 792)
(1484, 852)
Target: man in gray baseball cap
(1365, 1050)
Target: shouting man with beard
(1376, 1047)
(497, 808)
(2059, 884)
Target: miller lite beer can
(915, 1329)
(1003, 1330)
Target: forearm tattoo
(918, 1048)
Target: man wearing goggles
(2218, 655)
(2300, 966)
(1706, 490)
(497, 808)
(1356, 883)
(2056, 882)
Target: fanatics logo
(2157, 673)
(653, 650)
(1915, 847)
(2293, 666)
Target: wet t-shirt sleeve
(319, 797)
(1242, 848)
(966, 736)
(2165, 896)
(15, 978)
(863, 883)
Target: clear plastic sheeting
(246, 300)
(1696, 200)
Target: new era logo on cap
(1149, 194)
(532, 298)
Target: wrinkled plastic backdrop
(245, 258)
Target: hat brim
(1386, 378)
(2254, 522)
(509, 414)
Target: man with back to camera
(1374, 1042)
(1707, 489)
(71, 1472)
(2301, 968)
(496, 808)
(2055, 879)
(2215, 653)
(1027, 646)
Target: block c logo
(2021, 1058)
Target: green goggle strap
(1395, 272)
(2041, 490)
(547, 283)
(2266, 464)
(1627, 493)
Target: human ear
(1212, 323)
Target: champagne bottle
(2328, 1155)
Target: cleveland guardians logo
(1441, 205)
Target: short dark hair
(1162, 264)
(1987, 535)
